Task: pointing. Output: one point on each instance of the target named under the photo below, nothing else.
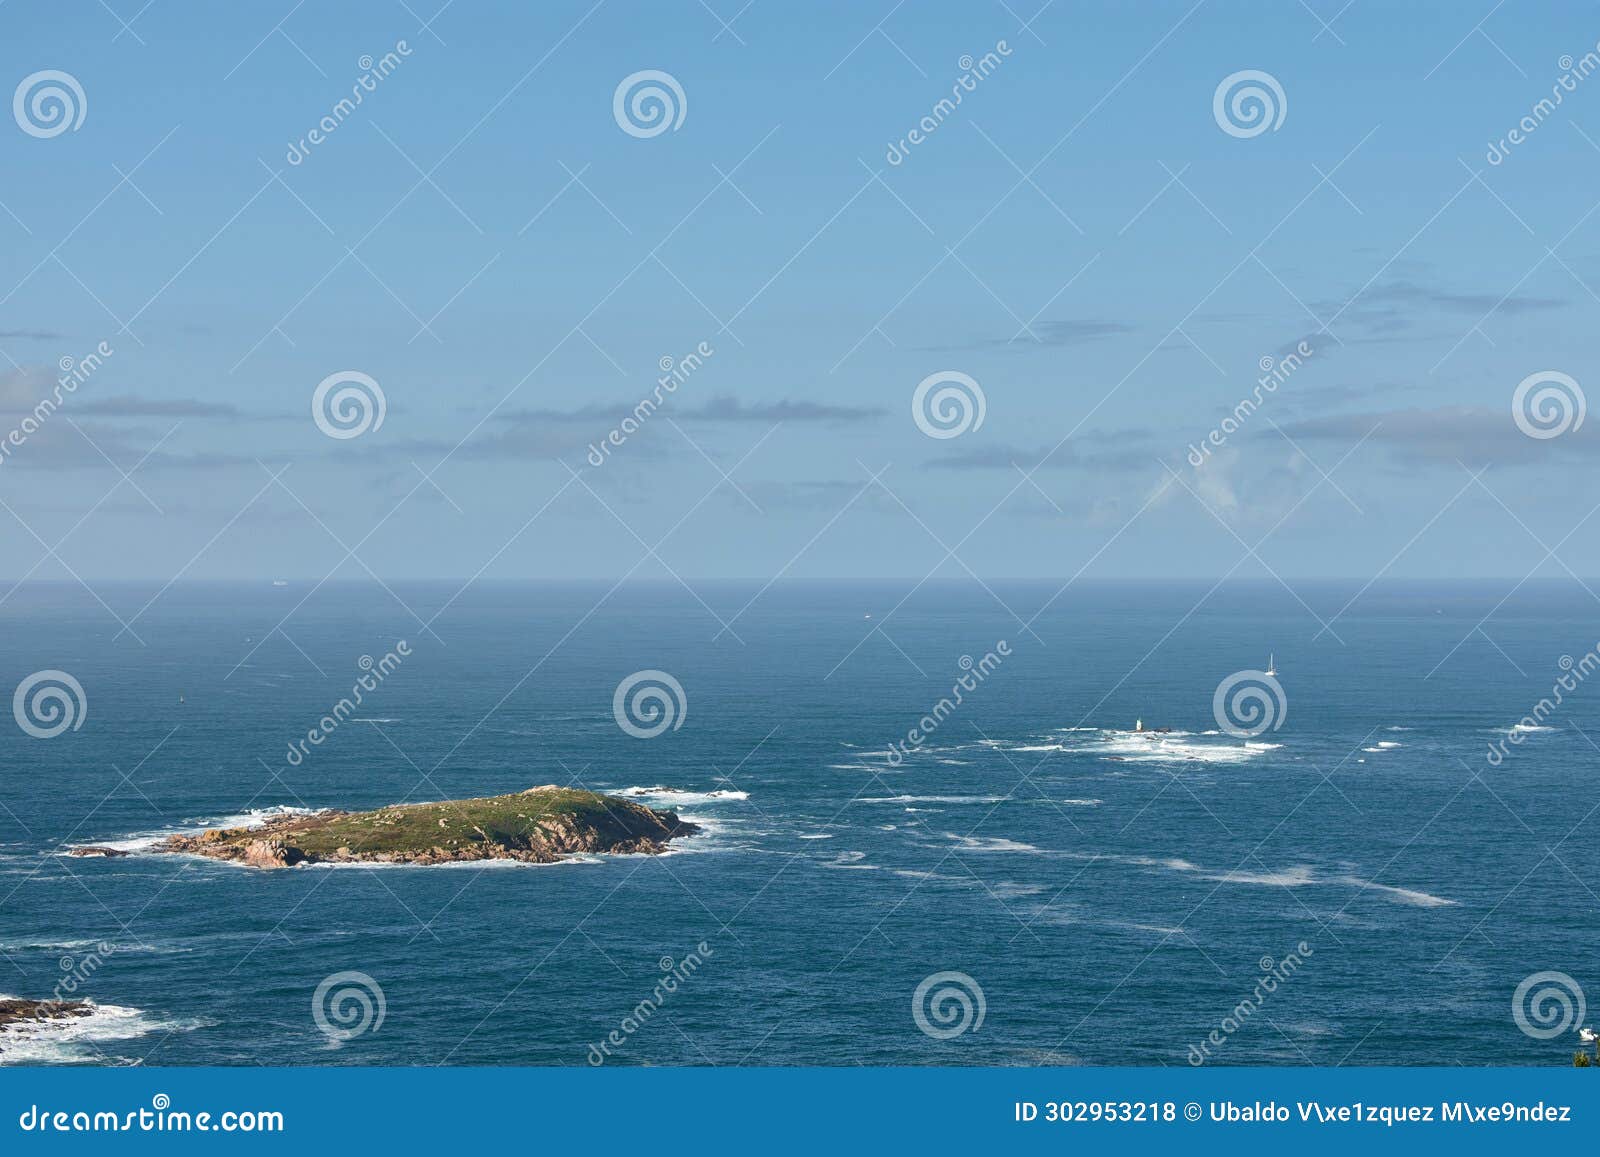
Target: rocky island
(538, 826)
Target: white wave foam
(1173, 747)
(989, 844)
(1077, 918)
(1135, 926)
(1403, 895)
(1294, 876)
(933, 799)
(76, 1040)
(103, 946)
(850, 861)
(679, 795)
(49, 945)
(1300, 876)
(718, 835)
(1171, 864)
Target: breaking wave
(679, 795)
(77, 1040)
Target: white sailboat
(1272, 665)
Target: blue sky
(1080, 237)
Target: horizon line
(921, 580)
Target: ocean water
(1108, 898)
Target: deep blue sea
(1108, 897)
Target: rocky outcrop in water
(15, 1011)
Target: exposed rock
(108, 853)
(16, 1011)
(270, 854)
